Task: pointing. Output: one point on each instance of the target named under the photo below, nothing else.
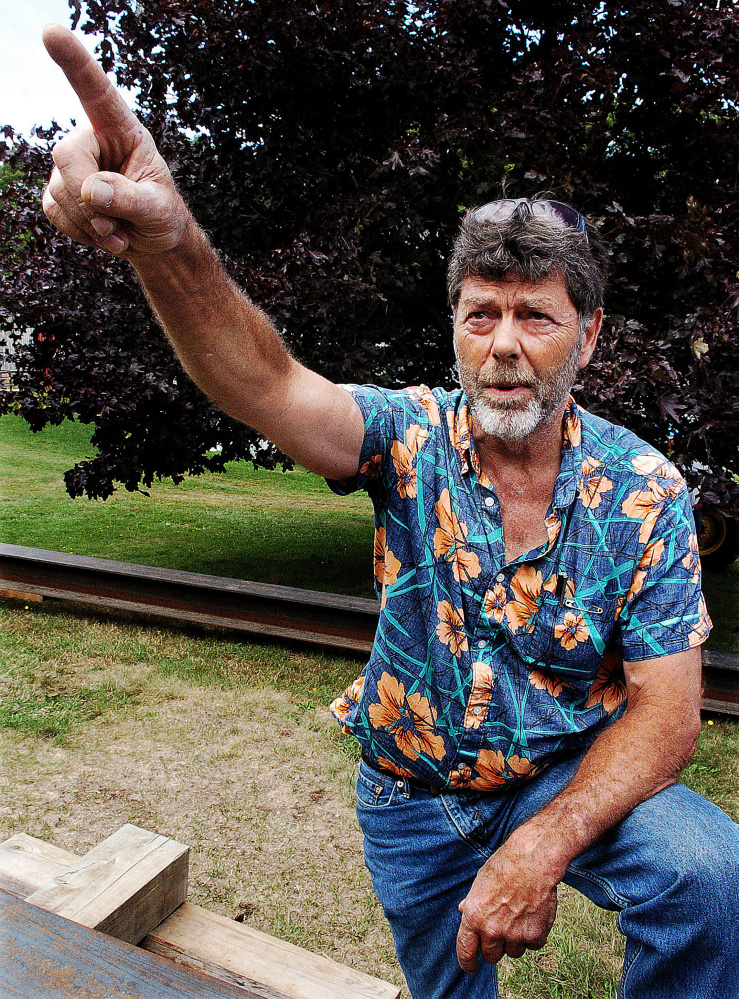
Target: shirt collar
(565, 487)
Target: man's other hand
(109, 187)
(510, 907)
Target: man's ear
(591, 337)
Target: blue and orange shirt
(483, 671)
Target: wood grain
(239, 954)
(125, 886)
(43, 956)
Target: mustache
(504, 377)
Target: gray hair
(531, 248)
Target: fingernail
(102, 226)
(115, 244)
(101, 194)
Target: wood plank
(195, 938)
(240, 955)
(27, 863)
(43, 956)
(125, 886)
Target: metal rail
(279, 612)
(285, 613)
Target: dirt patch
(255, 782)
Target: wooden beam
(43, 956)
(27, 863)
(240, 955)
(125, 886)
(192, 937)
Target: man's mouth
(506, 390)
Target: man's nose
(506, 343)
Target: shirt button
(481, 644)
(500, 578)
(398, 783)
(489, 501)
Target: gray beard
(513, 421)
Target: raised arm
(110, 188)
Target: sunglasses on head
(499, 211)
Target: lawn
(274, 527)
(227, 745)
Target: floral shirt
(482, 670)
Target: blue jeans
(670, 869)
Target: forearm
(225, 343)
(231, 350)
(636, 757)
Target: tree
(329, 149)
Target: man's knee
(676, 845)
(688, 852)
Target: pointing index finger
(102, 103)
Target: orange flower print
(461, 777)
(426, 397)
(410, 720)
(648, 464)
(609, 686)
(521, 766)
(490, 767)
(571, 631)
(342, 706)
(543, 681)
(651, 555)
(373, 467)
(526, 589)
(387, 566)
(703, 628)
(450, 630)
(480, 694)
(593, 483)
(459, 429)
(645, 505)
(494, 603)
(450, 541)
(572, 426)
(384, 764)
(404, 456)
(692, 560)
(553, 525)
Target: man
(533, 692)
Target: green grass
(273, 527)
(45, 649)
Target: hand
(510, 907)
(110, 187)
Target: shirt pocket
(566, 637)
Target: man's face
(518, 351)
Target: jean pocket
(376, 789)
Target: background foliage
(329, 149)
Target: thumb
(114, 195)
(468, 945)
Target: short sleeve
(663, 611)
(390, 416)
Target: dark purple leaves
(329, 149)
